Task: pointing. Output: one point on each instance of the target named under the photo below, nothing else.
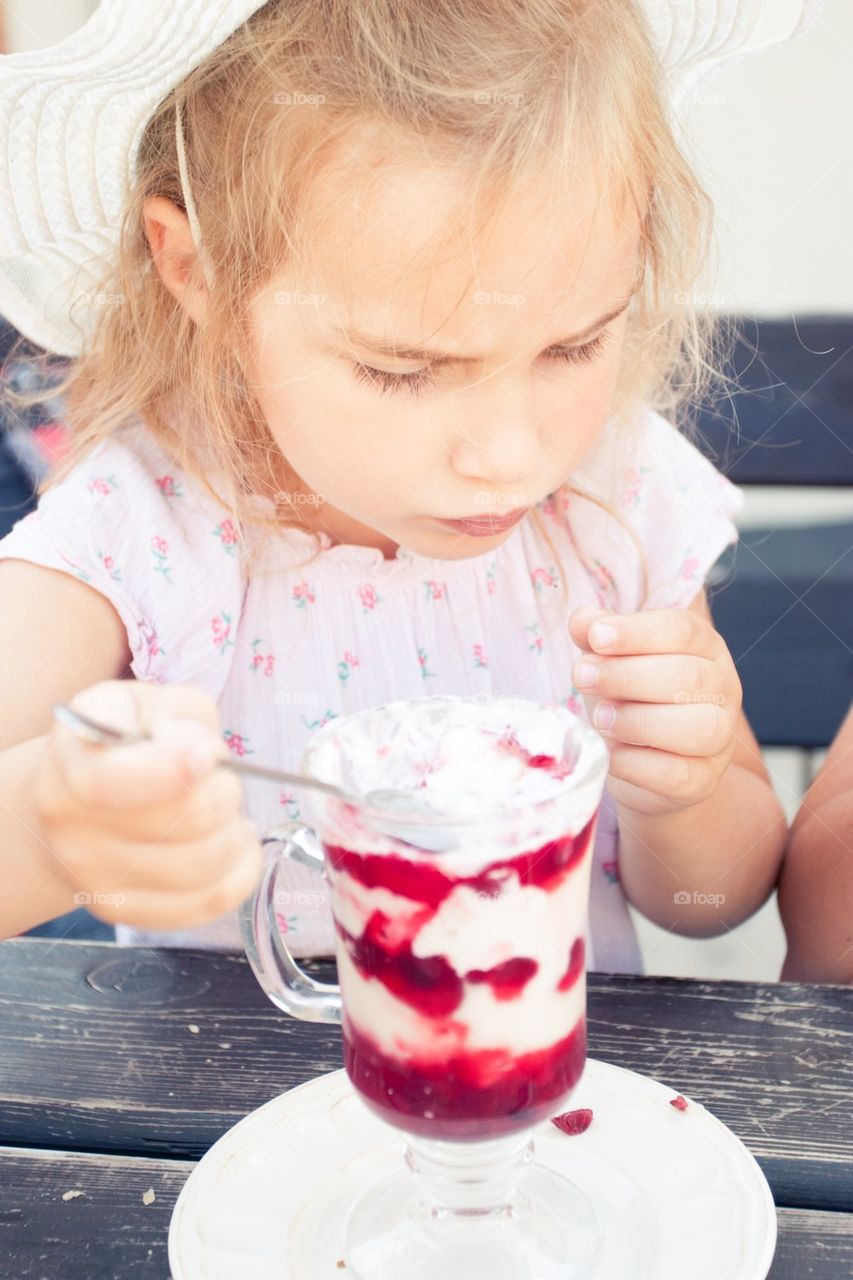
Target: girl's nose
(500, 440)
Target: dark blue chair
(784, 596)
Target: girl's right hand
(149, 834)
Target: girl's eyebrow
(397, 351)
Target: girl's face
(388, 426)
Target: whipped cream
(485, 767)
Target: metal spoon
(423, 837)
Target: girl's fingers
(675, 778)
(169, 910)
(700, 729)
(674, 679)
(154, 866)
(184, 747)
(652, 631)
(140, 776)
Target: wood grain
(98, 1053)
(110, 1232)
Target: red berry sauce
(462, 1093)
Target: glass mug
(461, 959)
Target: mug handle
(289, 987)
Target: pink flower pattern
(238, 743)
(324, 719)
(480, 659)
(542, 577)
(346, 666)
(286, 924)
(264, 662)
(537, 642)
(226, 532)
(152, 641)
(102, 485)
(302, 594)
(556, 504)
(221, 626)
(109, 564)
(160, 550)
(574, 703)
(605, 585)
(632, 486)
(435, 590)
(168, 487)
(689, 571)
(290, 804)
(368, 596)
(423, 659)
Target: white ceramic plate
(677, 1193)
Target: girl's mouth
(482, 526)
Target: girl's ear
(174, 253)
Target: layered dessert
(462, 969)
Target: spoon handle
(93, 731)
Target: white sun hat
(72, 116)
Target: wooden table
(119, 1067)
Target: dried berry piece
(679, 1103)
(573, 1122)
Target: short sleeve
(146, 536)
(659, 516)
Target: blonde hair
(498, 91)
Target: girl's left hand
(662, 689)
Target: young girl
(381, 402)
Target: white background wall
(34, 24)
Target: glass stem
(469, 1178)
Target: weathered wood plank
(110, 1233)
(773, 1061)
(107, 1233)
(98, 1053)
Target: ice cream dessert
(462, 972)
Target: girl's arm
(57, 635)
(816, 887)
(701, 832)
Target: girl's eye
(418, 381)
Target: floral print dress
(302, 641)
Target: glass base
(472, 1211)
